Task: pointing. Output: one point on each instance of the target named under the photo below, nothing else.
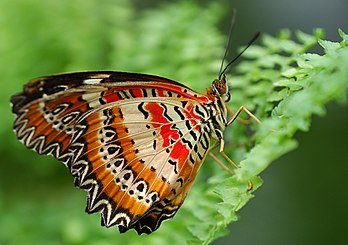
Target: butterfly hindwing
(134, 142)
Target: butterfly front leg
(236, 114)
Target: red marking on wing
(137, 92)
(179, 150)
(110, 96)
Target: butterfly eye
(220, 88)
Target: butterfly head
(220, 88)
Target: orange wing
(134, 142)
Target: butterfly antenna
(231, 62)
(228, 44)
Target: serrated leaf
(328, 45)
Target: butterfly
(134, 142)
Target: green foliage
(277, 80)
(285, 86)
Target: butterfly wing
(134, 142)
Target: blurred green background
(304, 197)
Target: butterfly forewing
(135, 142)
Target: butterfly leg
(224, 155)
(220, 163)
(244, 121)
(235, 115)
(221, 142)
(250, 185)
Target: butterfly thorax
(219, 95)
